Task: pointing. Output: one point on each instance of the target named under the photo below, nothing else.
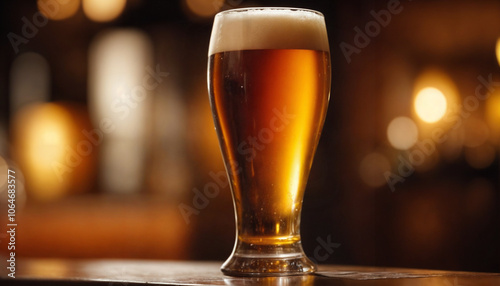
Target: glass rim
(239, 10)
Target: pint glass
(269, 85)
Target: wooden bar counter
(151, 272)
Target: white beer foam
(268, 28)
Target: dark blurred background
(104, 115)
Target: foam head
(268, 28)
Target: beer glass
(269, 86)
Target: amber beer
(269, 98)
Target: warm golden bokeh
(51, 150)
(58, 10)
(402, 133)
(493, 115)
(430, 104)
(498, 50)
(103, 11)
(440, 99)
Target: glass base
(268, 260)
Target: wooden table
(140, 272)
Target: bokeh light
(493, 114)
(498, 51)
(46, 145)
(372, 169)
(204, 8)
(119, 97)
(443, 101)
(58, 10)
(103, 11)
(118, 62)
(41, 143)
(402, 133)
(430, 104)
